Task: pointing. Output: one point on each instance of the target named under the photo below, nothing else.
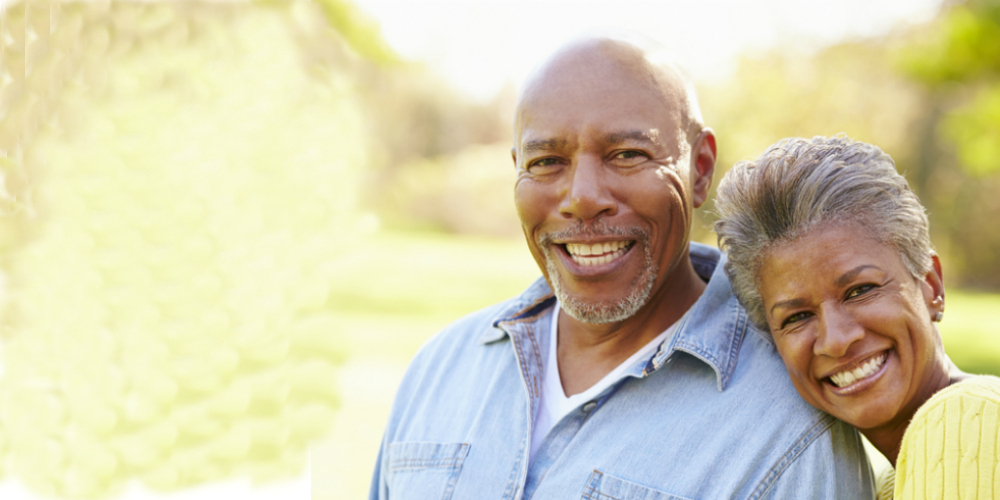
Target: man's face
(603, 188)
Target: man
(630, 371)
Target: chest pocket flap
(425, 470)
(602, 486)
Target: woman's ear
(932, 286)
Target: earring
(938, 316)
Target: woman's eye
(859, 290)
(799, 316)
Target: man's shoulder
(480, 328)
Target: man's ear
(703, 166)
(932, 286)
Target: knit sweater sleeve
(951, 448)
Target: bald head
(595, 66)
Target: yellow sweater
(951, 448)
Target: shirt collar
(711, 330)
(527, 306)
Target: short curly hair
(799, 184)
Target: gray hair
(799, 184)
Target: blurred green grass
(398, 288)
(969, 330)
(392, 293)
(431, 279)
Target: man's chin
(601, 313)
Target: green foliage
(178, 189)
(847, 88)
(927, 95)
(961, 46)
(359, 30)
(957, 57)
(974, 128)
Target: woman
(829, 251)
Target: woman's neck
(888, 438)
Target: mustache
(596, 229)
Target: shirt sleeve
(950, 449)
(813, 474)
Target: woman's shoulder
(985, 388)
(973, 400)
(956, 430)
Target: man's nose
(588, 195)
(838, 330)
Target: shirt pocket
(602, 486)
(425, 470)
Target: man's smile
(598, 253)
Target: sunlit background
(225, 227)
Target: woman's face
(852, 325)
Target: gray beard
(602, 312)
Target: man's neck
(587, 351)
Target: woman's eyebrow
(791, 303)
(853, 273)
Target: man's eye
(859, 290)
(795, 318)
(543, 165)
(629, 155)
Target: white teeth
(848, 377)
(596, 254)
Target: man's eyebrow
(634, 135)
(543, 145)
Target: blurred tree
(847, 88)
(419, 130)
(928, 95)
(180, 182)
(956, 58)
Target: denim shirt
(710, 415)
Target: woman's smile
(849, 380)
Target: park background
(225, 227)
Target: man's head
(612, 159)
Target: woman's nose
(838, 330)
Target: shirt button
(589, 407)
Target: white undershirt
(553, 404)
